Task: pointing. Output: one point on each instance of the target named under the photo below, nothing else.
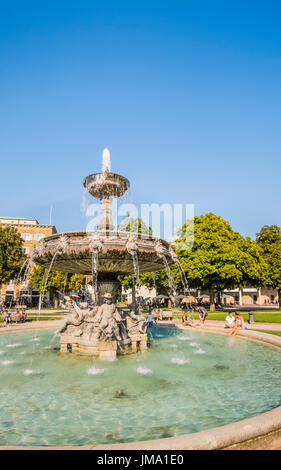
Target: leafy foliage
(11, 253)
(269, 240)
(220, 257)
(130, 224)
(76, 281)
(56, 281)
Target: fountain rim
(112, 241)
(211, 439)
(107, 173)
(106, 234)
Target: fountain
(101, 328)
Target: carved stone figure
(104, 329)
(75, 318)
(136, 324)
(107, 319)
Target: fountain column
(106, 215)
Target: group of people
(10, 317)
(189, 321)
(153, 316)
(236, 322)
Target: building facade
(31, 232)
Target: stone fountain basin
(113, 256)
(108, 184)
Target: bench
(168, 315)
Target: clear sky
(185, 94)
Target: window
(25, 250)
(26, 236)
(38, 236)
(272, 299)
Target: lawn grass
(276, 333)
(39, 318)
(272, 317)
(259, 317)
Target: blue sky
(185, 94)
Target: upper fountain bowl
(106, 184)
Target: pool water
(185, 382)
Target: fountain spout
(106, 164)
(106, 186)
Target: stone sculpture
(102, 331)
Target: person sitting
(189, 321)
(156, 314)
(7, 317)
(17, 317)
(12, 317)
(23, 316)
(238, 325)
(229, 321)
(202, 314)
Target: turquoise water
(186, 382)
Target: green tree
(76, 281)
(269, 239)
(157, 279)
(220, 258)
(11, 254)
(56, 283)
(131, 224)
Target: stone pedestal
(101, 349)
(107, 350)
(139, 342)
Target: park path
(49, 324)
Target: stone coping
(211, 439)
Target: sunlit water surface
(185, 382)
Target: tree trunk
(56, 300)
(212, 300)
(279, 297)
(219, 297)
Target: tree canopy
(57, 281)
(215, 258)
(220, 258)
(135, 225)
(11, 254)
(269, 240)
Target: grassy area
(35, 314)
(276, 333)
(272, 317)
(45, 308)
(39, 318)
(259, 317)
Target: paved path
(252, 326)
(220, 324)
(34, 325)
